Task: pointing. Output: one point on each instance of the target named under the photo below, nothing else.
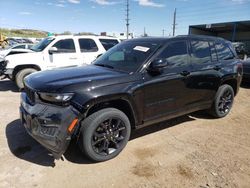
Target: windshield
(127, 56)
(42, 44)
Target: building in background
(238, 32)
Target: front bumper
(48, 124)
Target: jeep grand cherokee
(136, 83)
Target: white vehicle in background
(16, 49)
(56, 52)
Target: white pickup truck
(55, 52)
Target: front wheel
(104, 134)
(223, 101)
(21, 75)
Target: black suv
(136, 83)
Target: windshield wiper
(104, 65)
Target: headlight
(56, 97)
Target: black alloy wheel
(223, 101)
(108, 136)
(104, 134)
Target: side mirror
(53, 50)
(158, 64)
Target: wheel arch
(122, 103)
(233, 83)
(21, 67)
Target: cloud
(240, 1)
(149, 3)
(104, 2)
(74, 1)
(60, 5)
(24, 13)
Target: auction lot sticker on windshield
(141, 48)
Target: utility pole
(174, 22)
(127, 18)
(144, 33)
(163, 32)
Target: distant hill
(23, 33)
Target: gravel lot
(190, 151)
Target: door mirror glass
(53, 50)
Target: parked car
(55, 52)
(246, 70)
(18, 48)
(137, 83)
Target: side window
(88, 45)
(65, 46)
(200, 51)
(176, 54)
(213, 51)
(223, 51)
(108, 43)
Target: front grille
(3, 65)
(30, 94)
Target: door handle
(217, 68)
(73, 58)
(185, 73)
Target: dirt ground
(190, 151)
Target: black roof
(165, 39)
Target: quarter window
(223, 51)
(88, 45)
(176, 54)
(65, 46)
(200, 51)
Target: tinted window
(19, 47)
(108, 43)
(223, 51)
(65, 46)
(200, 51)
(88, 45)
(175, 53)
(127, 56)
(213, 51)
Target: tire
(21, 75)
(96, 142)
(223, 101)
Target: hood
(24, 58)
(69, 78)
(3, 53)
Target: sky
(96, 16)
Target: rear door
(89, 50)
(205, 76)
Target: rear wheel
(223, 101)
(104, 134)
(21, 75)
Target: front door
(65, 56)
(167, 92)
